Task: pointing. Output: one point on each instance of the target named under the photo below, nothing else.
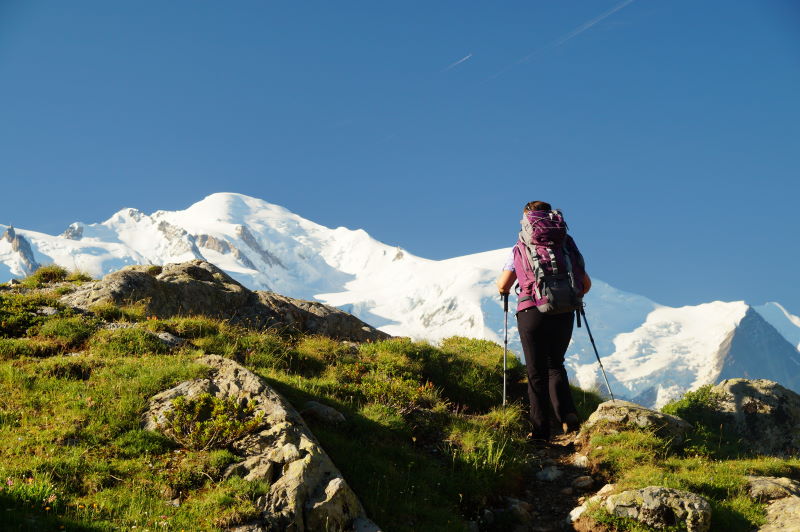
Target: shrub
(110, 312)
(709, 436)
(194, 327)
(480, 448)
(18, 312)
(313, 354)
(130, 341)
(206, 422)
(73, 331)
(509, 418)
(28, 347)
(265, 350)
(79, 277)
(52, 273)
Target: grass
(71, 423)
(134, 312)
(21, 312)
(708, 464)
(426, 443)
(53, 273)
(126, 342)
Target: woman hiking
(552, 280)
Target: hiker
(545, 327)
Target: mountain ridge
(265, 246)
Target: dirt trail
(558, 486)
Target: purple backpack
(549, 266)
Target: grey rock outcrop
(200, 288)
(20, 245)
(307, 490)
(618, 415)
(783, 516)
(662, 507)
(762, 413)
(73, 232)
(771, 488)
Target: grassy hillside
(710, 463)
(425, 445)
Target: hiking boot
(571, 423)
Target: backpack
(549, 266)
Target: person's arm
(506, 280)
(587, 283)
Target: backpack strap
(570, 272)
(553, 263)
(533, 263)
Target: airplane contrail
(453, 65)
(586, 25)
(567, 36)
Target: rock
(662, 507)
(608, 489)
(307, 490)
(580, 460)
(47, 311)
(566, 491)
(764, 414)
(783, 516)
(576, 513)
(320, 412)
(548, 474)
(770, 488)
(583, 483)
(618, 415)
(170, 339)
(200, 288)
(521, 508)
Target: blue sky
(668, 132)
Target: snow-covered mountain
(652, 353)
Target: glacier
(651, 352)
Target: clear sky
(668, 132)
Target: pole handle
(505, 302)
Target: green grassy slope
(425, 445)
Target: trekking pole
(505, 343)
(583, 313)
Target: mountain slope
(651, 352)
(780, 318)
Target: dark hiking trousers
(545, 338)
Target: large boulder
(307, 490)
(200, 288)
(771, 488)
(662, 507)
(783, 516)
(763, 414)
(618, 415)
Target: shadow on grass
(406, 483)
(15, 515)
